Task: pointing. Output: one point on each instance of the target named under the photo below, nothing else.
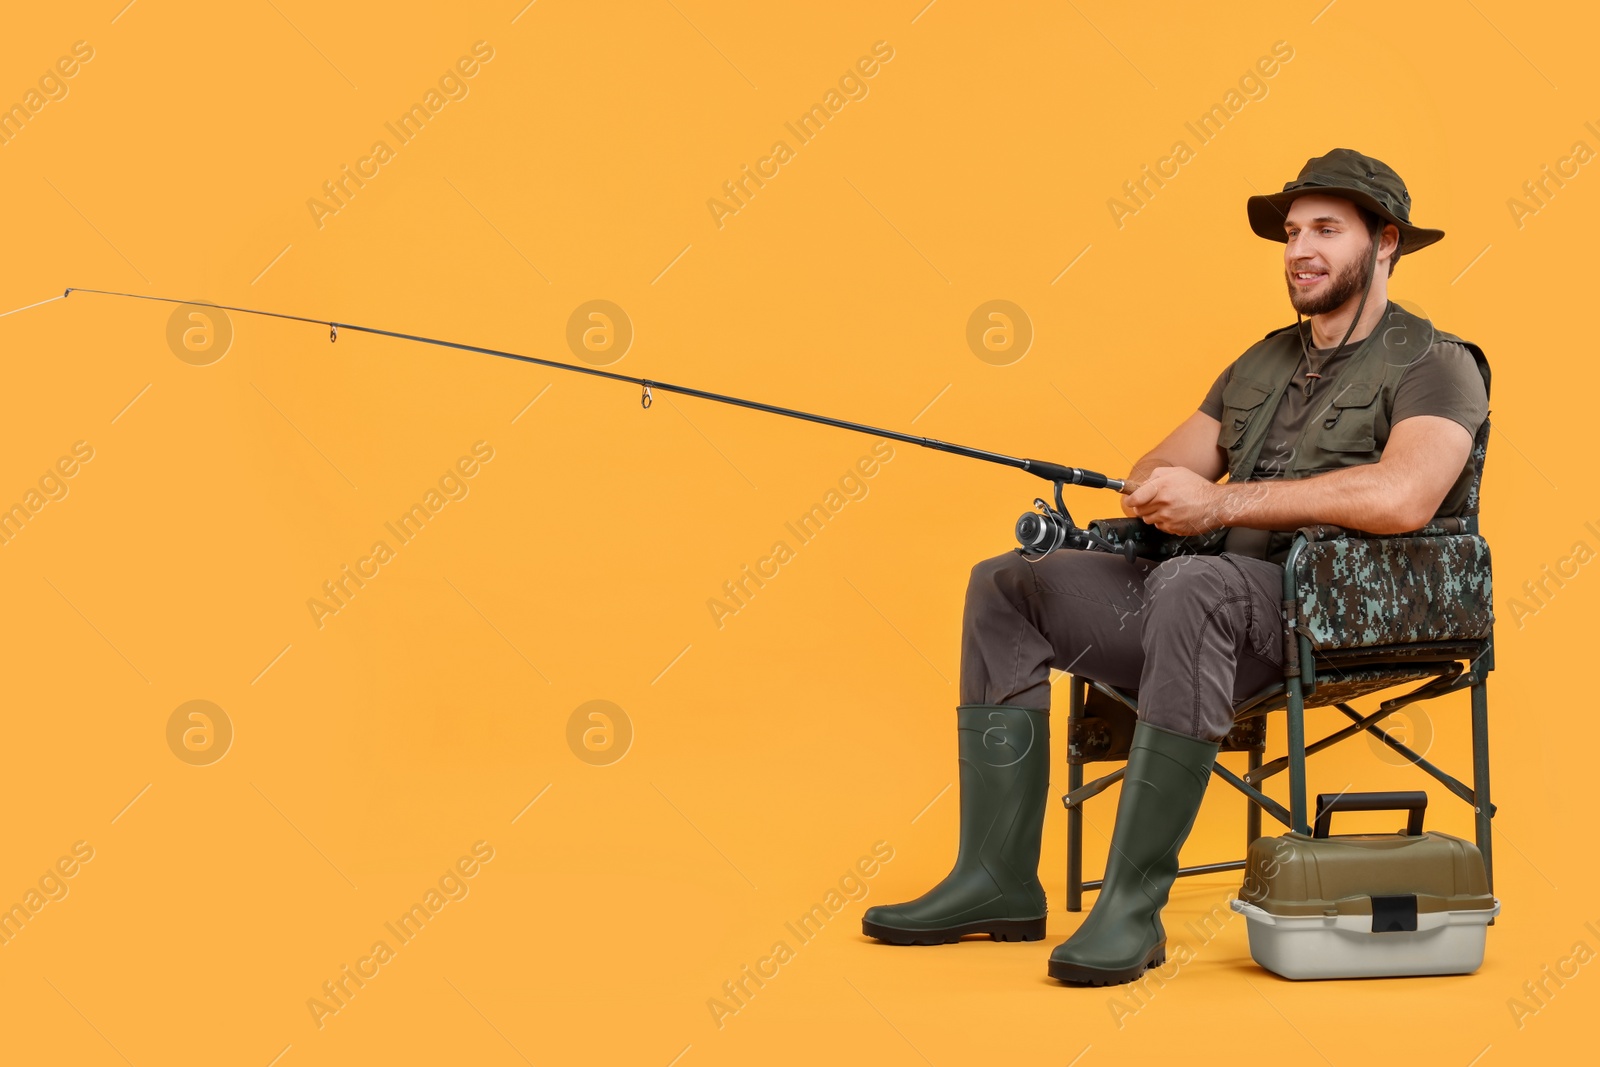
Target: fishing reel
(1049, 528)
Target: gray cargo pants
(1195, 635)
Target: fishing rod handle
(1071, 475)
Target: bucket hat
(1344, 173)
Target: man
(1362, 417)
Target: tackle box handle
(1414, 801)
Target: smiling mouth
(1307, 278)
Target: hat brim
(1267, 214)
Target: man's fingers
(1144, 493)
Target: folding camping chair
(1362, 613)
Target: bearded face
(1318, 288)
(1328, 256)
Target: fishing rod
(1043, 531)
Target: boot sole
(997, 929)
(1078, 974)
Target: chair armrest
(1348, 589)
(1447, 524)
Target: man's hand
(1176, 500)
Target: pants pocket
(1263, 622)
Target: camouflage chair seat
(1363, 613)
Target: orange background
(767, 755)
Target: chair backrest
(1480, 449)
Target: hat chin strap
(1372, 270)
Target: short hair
(1375, 224)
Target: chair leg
(1296, 720)
(1252, 812)
(1482, 808)
(1076, 689)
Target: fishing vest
(1354, 423)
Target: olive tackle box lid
(1365, 905)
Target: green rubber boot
(994, 886)
(1162, 788)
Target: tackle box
(1366, 905)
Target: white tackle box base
(1344, 946)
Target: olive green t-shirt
(1444, 382)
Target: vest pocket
(1350, 422)
(1241, 403)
